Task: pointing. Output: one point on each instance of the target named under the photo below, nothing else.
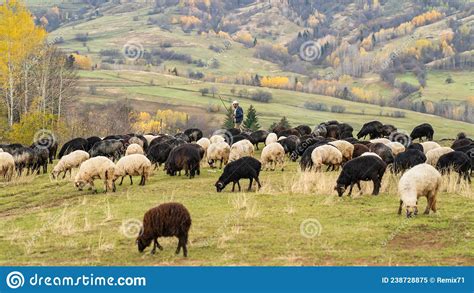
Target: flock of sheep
(330, 144)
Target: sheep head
(340, 188)
(219, 186)
(411, 210)
(142, 242)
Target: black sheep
(194, 134)
(408, 159)
(91, 141)
(232, 131)
(422, 130)
(359, 149)
(74, 144)
(184, 157)
(373, 129)
(416, 146)
(289, 144)
(345, 131)
(48, 142)
(469, 151)
(387, 129)
(166, 220)
(363, 168)
(41, 158)
(24, 158)
(110, 148)
(246, 167)
(258, 137)
(461, 142)
(384, 152)
(303, 129)
(182, 136)
(306, 163)
(288, 132)
(158, 153)
(239, 137)
(457, 161)
(160, 139)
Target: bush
(204, 91)
(243, 93)
(213, 108)
(261, 96)
(338, 109)
(316, 106)
(449, 80)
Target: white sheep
(273, 155)
(345, 147)
(133, 165)
(216, 139)
(327, 155)
(271, 137)
(371, 154)
(134, 149)
(396, 147)
(96, 168)
(218, 152)
(149, 137)
(429, 145)
(432, 156)
(135, 140)
(204, 143)
(7, 165)
(380, 140)
(423, 180)
(243, 148)
(68, 162)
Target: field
(295, 219)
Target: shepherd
(238, 115)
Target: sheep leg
(376, 186)
(400, 207)
(329, 167)
(350, 190)
(428, 206)
(233, 186)
(185, 245)
(433, 205)
(131, 181)
(250, 184)
(238, 184)
(258, 182)
(358, 185)
(121, 181)
(70, 172)
(180, 243)
(64, 174)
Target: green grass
(51, 223)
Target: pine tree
(251, 121)
(229, 119)
(284, 122)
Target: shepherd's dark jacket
(238, 115)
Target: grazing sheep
(408, 159)
(422, 130)
(306, 162)
(194, 134)
(460, 142)
(303, 129)
(7, 165)
(110, 148)
(327, 155)
(158, 153)
(183, 137)
(149, 138)
(68, 162)
(165, 220)
(359, 149)
(420, 181)
(184, 157)
(396, 147)
(429, 145)
(271, 137)
(134, 149)
(95, 168)
(363, 168)
(288, 132)
(241, 149)
(49, 143)
(346, 148)
(91, 141)
(383, 151)
(433, 155)
(75, 144)
(240, 137)
(24, 158)
(160, 139)
(204, 143)
(40, 159)
(383, 140)
(387, 129)
(218, 152)
(289, 144)
(373, 129)
(273, 155)
(133, 165)
(217, 139)
(457, 161)
(258, 137)
(416, 146)
(243, 168)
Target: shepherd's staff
(223, 102)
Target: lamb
(396, 147)
(272, 156)
(134, 149)
(7, 165)
(68, 162)
(407, 160)
(218, 152)
(457, 161)
(420, 181)
(271, 137)
(429, 145)
(246, 167)
(95, 168)
(165, 220)
(363, 168)
(241, 149)
(383, 140)
(217, 139)
(326, 154)
(433, 155)
(346, 148)
(133, 165)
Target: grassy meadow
(295, 219)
